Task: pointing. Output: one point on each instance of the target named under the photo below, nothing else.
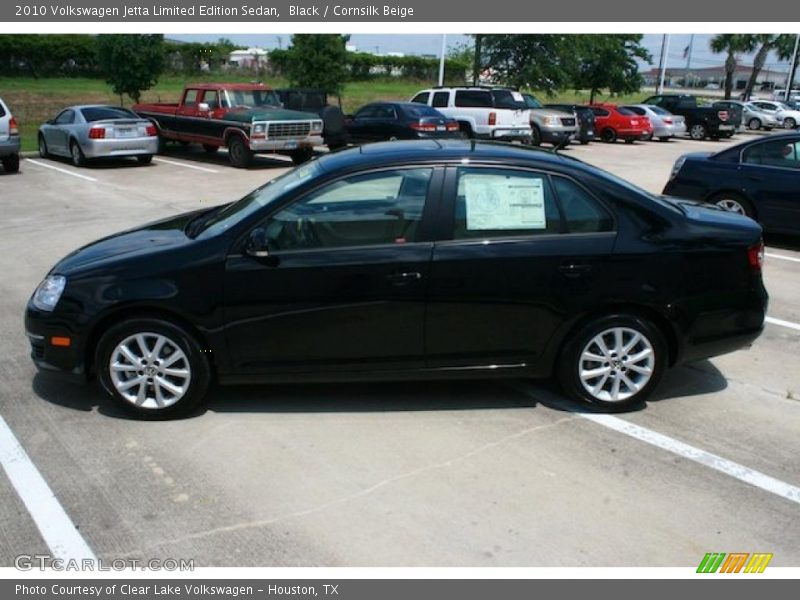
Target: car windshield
(532, 101)
(232, 98)
(234, 213)
(102, 113)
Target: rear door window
(582, 212)
(421, 98)
(441, 99)
(474, 99)
(66, 118)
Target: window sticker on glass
(517, 96)
(500, 202)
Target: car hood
(151, 238)
(552, 112)
(248, 115)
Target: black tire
(239, 154)
(302, 155)
(76, 153)
(664, 139)
(570, 362)
(754, 124)
(698, 132)
(584, 142)
(608, 135)
(789, 123)
(145, 159)
(42, 143)
(198, 367)
(332, 122)
(629, 140)
(536, 136)
(725, 201)
(209, 149)
(11, 163)
(466, 129)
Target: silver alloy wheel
(731, 205)
(149, 370)
(76, 154)
(754, 124)
(616, 364)
(789, 123)
(697, 132)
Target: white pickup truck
(482, 112)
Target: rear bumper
(669, 130)
(9, 146)
(634, 134)
(505, 133)
(120, 147)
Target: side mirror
(257, 245)
(203, 107)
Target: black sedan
(586, 127)
(391, 121)
(759, 178)
(425, 259)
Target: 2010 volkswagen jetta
(425, 259)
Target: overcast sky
(431, 44)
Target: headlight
(49, 291)
(552, 121)
(677, 166)
(259, 128)
(316, 126)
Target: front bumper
(9, 146)
(555, 136)
(137, 146)
(67, 361)
(287, 145)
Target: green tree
(542, 62)
(731, 44)
(318, 61)
(131, 63)
(609, 62)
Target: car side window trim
(430, 212)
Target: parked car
(756, 118)
(789, 115)
(311, 100)
(391, 121)
(701, 121)
(9, 139)
(93, 131)
(493, 113)
(759, 178)
(615, 122)
(409, 259)
(780, 95)
(665, 124)
(247, 118)
(550, 125)
(586, 125)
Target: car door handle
(575, 269)
(404, 278)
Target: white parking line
(54, 524)
(723, 465)
(782, 257)
(180, 164)
(782, 323)
(59, 169)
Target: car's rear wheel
(754, 124)
(698, 131)
(536, 136)
(613, 362)
(466, 129)
(789, 123)
(43, 153)
(78, 158)
(303, 155)
(152, 368)
(145, 159)
(608, 135)
(238, 153)
(734, 203)
(665, 138)
(11, 163)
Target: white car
(482, 112)
(782, 112)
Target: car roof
(452, 150)
(82, 106)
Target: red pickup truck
(246, 118)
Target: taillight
(492, 118)
(97, 133)
(426, 127)
(452, 127)
(668, 121)
(151, 130)
(723, 115)
(13, 127)
(755, 255)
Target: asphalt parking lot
(444, 474)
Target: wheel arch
(709, 198)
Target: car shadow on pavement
(220, 158)
(691, 380)
(782, 242)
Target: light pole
(441, 60)
(664, 58)
(790, 81)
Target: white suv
(482, 112)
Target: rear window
(440, 99)
(634, 109)
(422, 111)
(627, 111)
(102, 113)
(474, 99)
(2, 111)
(660, 111)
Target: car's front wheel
(154, 369)
(734, 203)
(302, 155)
(754, 124)
(698, 131)
(239, 153)
(613, 362)
(789, 123)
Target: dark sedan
(586, 125)
(391, 121)
(759, 178)
(425, 259)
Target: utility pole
(441, 59)
(663, 62)
(792, 70)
